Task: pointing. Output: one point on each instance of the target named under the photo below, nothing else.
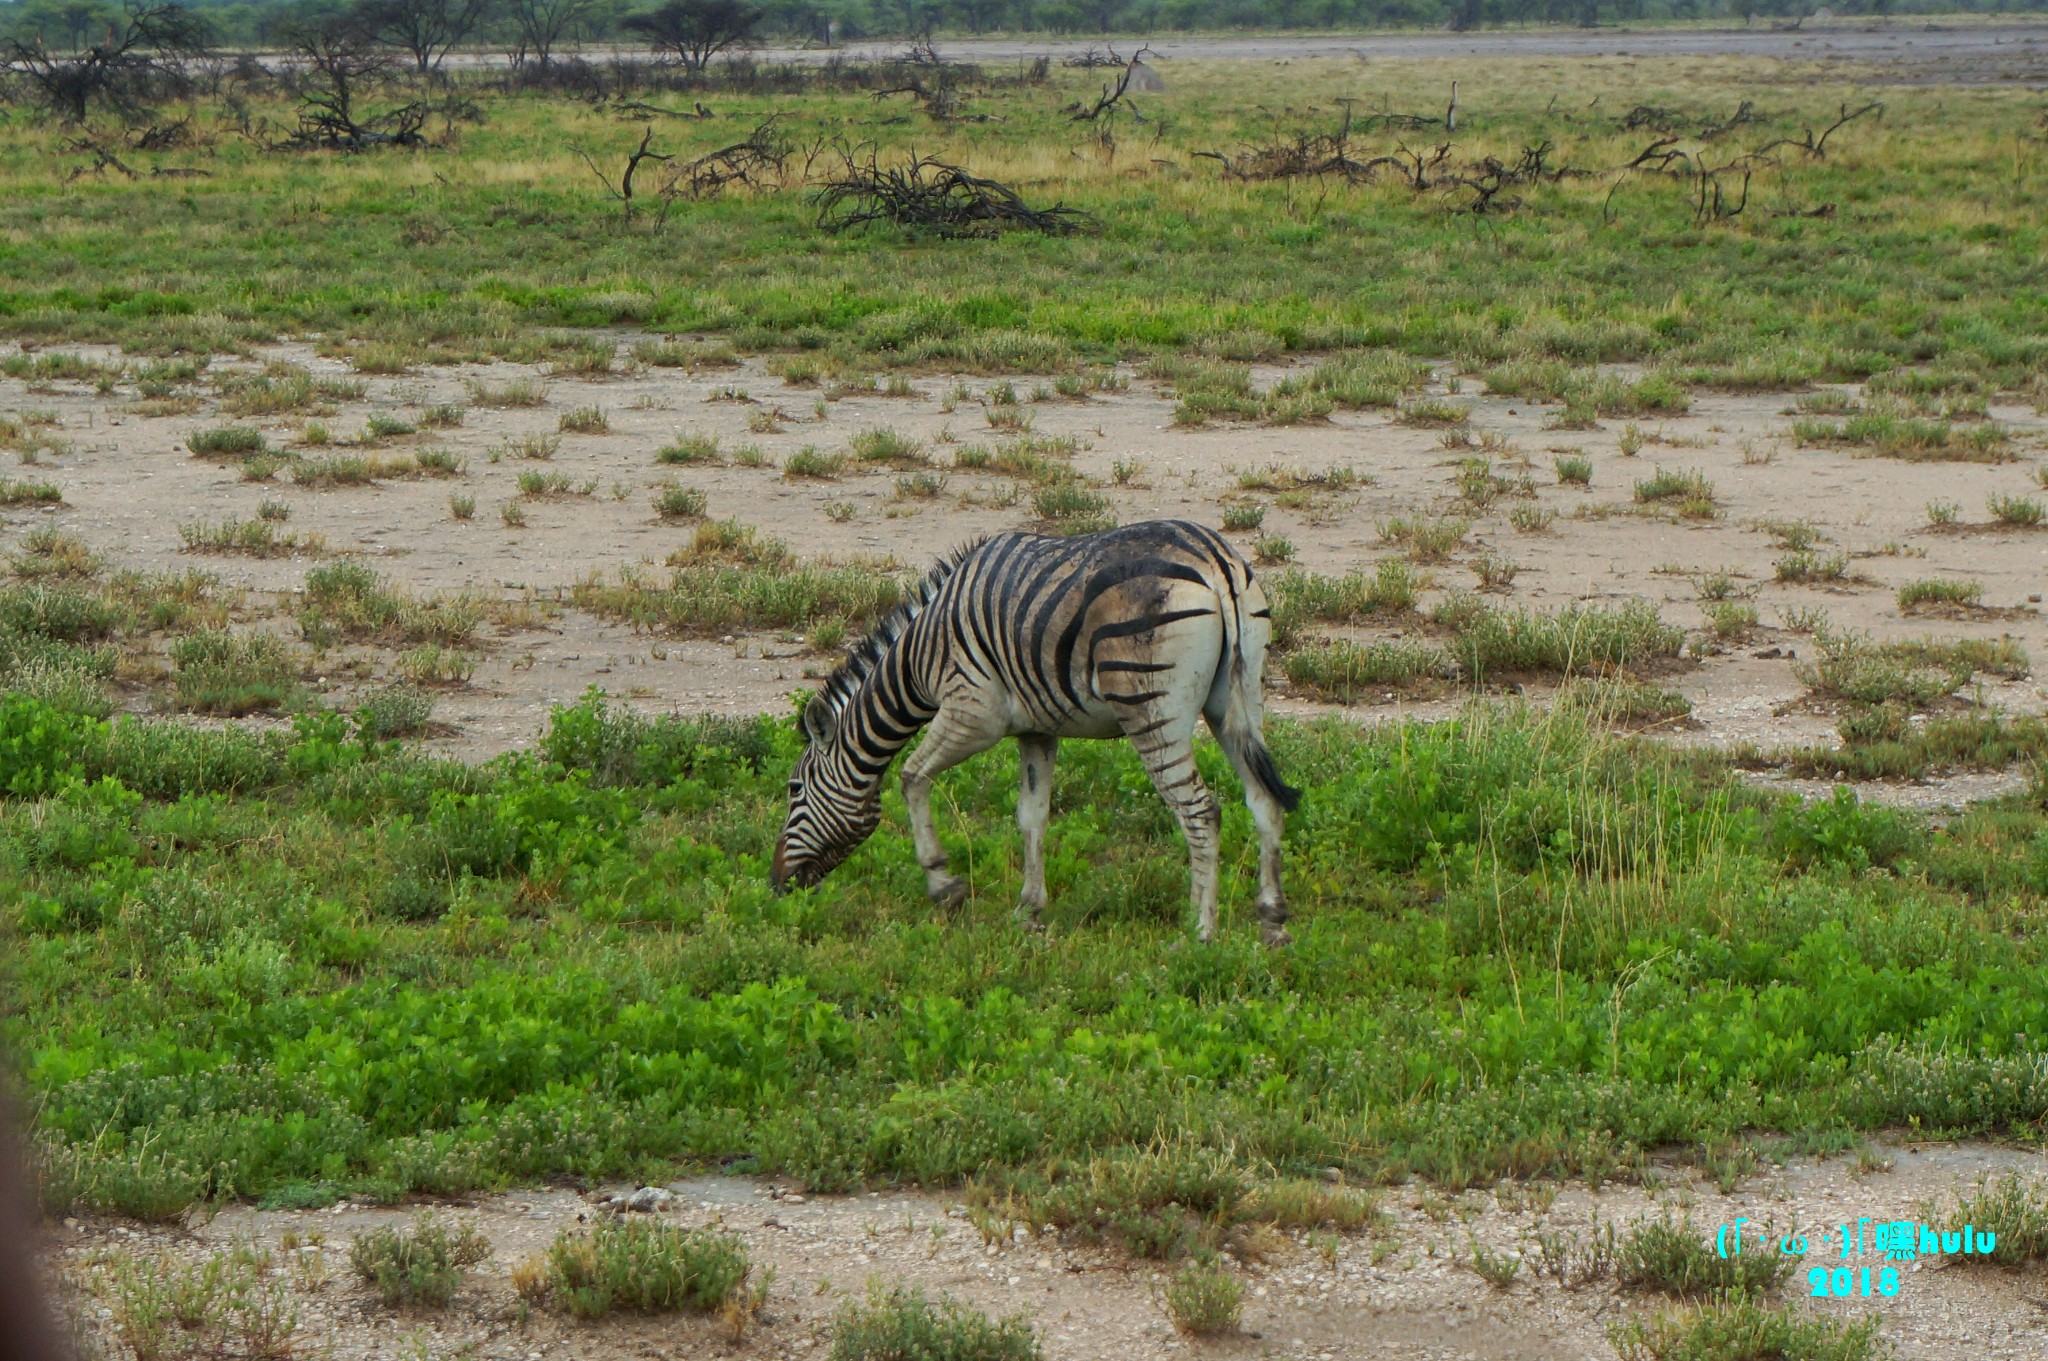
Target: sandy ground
(1405, 1290)
(129, 484)
(1955, 49)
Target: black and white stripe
(1136, 632)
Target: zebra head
(830, 811)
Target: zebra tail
(1256, 755)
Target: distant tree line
(693, 32)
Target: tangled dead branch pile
(759, 163)
(931, 194)
(1305, 155)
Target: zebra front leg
(1165, 744)
(1035, 755)
(946, 744)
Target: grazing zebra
(1132, 632)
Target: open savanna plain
(1647, 476)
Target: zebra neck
(879, 720)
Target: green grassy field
(316, 964)
(305, 967)
(1915, 237)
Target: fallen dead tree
(936, 196)
(760, 163)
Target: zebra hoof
(1276, 937)
(950, 891)
(1028, 922)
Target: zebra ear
(819, 720)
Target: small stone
(792, 1199)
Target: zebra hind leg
(1165, 744)
(1268, 797)
(1034, 809)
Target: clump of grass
(1623, 703)
(1531, 519)
(393, 712)
(1345, 671)
(443, 416)
(673, 501)
(1953, 595)
(1495, 573)
(1691, 491)
(691, 448)
(226, 441)
(534, 447)
(881, 444)
(1374, 378)
(439, 462)
(232, 674)
(1298, 598)
(585, 420)
(921, 486)
(1942, 514)
(384, 425)
(1241, 517)
(348, 600)
(462, 506)
(1587, 394)
(435, 664)
(1675, 1259)
(645, 1266)
(1574, 471)
(544, 484)
(422, 1266)
(2022, 512)
(1072, 508)
(1576, 640)
(1806, 568)
(1271, 550)
(902, 1325)
(519, 392)
(1914, 674)
(813, 462)
(2013, 1207)
(1737, 1327)
(1881, 434)
(683, 354)
(30, 494)
(1431, 412)
(1730, 619)
(839, 512)
(258, 538)
(1204, 1301)
(1427, 540)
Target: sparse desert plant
(462, 506)
(1243, 516)
(1270, 550)
(519, 392)
(900, 1324)
(1426, 540)
(585, 420)
(2023, 512)
(226, 441)
(1204, 1301)
(1942, 514)
(1574, 471)
(691, 448)
(813, 462)
(419, 1265)
(881, 444)
(673, 501)
(645, 1266)
(1961, 595)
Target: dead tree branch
(623, 189)
(928, 193)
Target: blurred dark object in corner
(28, 1332)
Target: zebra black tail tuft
(1268, 775)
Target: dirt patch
(1405, 1290)
(129, 484)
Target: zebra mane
(865, 655)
